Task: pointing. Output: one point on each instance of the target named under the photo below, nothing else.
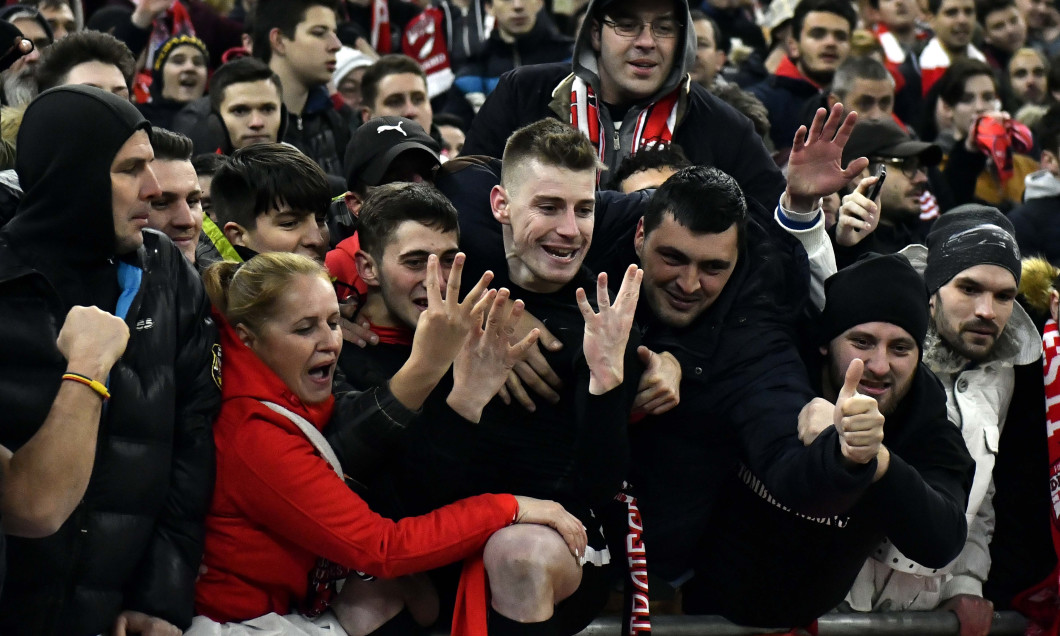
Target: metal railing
(877, 624)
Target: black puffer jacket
(135, 541)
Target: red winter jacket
(278, 505)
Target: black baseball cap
(884, 138)
(379, 141)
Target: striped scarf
(655, 124)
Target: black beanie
(877, 288)
(967, 236)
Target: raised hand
(356, 332)
(553, 515)
(92, 340)
(815, 165)
(482, 365)
(660, 384)
(858, 216)
(607, 332)
(445, 324)
(857, 418)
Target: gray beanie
(966, 236)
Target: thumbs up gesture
(857, 419)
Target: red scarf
(1041, 603)
(392, 335)
(381, 26)
(424, 41)
(788, 69)
(655, 124)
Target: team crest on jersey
(215, 366)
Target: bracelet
(95, 385)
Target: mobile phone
(881, 174)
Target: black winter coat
(710, 132)
(135, 540)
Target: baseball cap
(883, 138)
(378, 142)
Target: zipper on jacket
(618, 145)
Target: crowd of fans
(379, 317)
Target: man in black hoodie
(127, 549)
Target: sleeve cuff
(798, 220)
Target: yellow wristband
(95, 385)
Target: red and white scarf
(381, 26)
(655, 124)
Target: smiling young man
(953, 22)
(177, 212)
(297, 40)
(819, 43)
(630, 65)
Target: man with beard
(977, 334)
(819, 43)
(18, 82)
(868, 368)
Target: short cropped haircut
(702, 199)
(984, 8)
(171, 146)
(840, 8)
(262, 177)
(658, 156)
(245, 69)
(390, 205)
(208, 163)
(855, 68)
(551, 142)
(1048, 130)
(951, 84)
(284, 15)
(393, 64)
(78, 48)
(721, 38)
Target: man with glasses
(894, 217)
(629, 90)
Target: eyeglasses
(661, 29)
(908, 165)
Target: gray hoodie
(586, 67)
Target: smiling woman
(281, 512)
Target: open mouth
(421, 303)
(643, 67)
(189, 81)
(565, 254)
(322, 374)
(873, 388)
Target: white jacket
(977, 401)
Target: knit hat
(877, 288)
(346, 60)
(966, 236)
